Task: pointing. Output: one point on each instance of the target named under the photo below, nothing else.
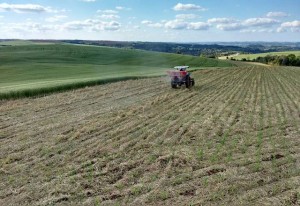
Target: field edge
(38, 92)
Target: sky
(152, 20)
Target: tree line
(280, 60)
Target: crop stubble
(232, 139)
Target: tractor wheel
(188, 82)
(173, 85)
(192, 82)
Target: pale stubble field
(233, 139)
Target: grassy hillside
(45, 66)
(254, 56)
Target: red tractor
(179, 76)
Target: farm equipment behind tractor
(179, 76)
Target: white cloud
(92, 25)
(181, 25)
(176, 24)
(257, 31)
(146, 22)
(186, 16)
(230, 27)
(188, 7)
(26, 8)
(156, 25)
(281, 30)
(107, 11)
(276, 14)
(260, 22)
(295, 29)
(291, 24)
(29, 27)
(261, 25)
(234, 25)
(89, 0)
(294, 26)
(248, 31)
(221, 20)
(113, 25)
(248, 25)
(122, 8)
(109, 16)
(151, 24)
(77, 25)
(198, 26)
(56, 18)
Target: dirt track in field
(232, 139)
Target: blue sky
(155, 20)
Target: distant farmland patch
(21, 43)
(254, 56)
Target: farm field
(22, 43)
(254, 56)
(37, 68)
(233, 139)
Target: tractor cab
(181, 68)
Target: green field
(254, 56)
(33, 67)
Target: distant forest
(196, 49)
(280, 60)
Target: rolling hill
(42, 67)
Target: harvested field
(233, 139)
